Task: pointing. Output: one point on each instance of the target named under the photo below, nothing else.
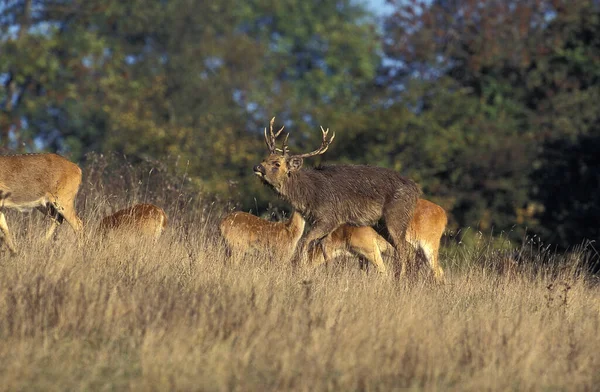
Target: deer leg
(369, 250)
(315, 257)
(7, 236)
(57, 219)
(397, 215)
(375, 257)
(419, 250)
(72, 219)
(158, 232)
(68, 213)
(319, 231)
(384, 246)
(331, 251)
(431, 254)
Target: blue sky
(378, 6)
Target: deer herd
(359, 210)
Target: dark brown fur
(330, 196)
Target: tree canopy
(490, 105)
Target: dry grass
(175, 316)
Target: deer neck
(297, 190)
(295, 224)
(295, 228)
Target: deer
(425, 233)
(330, 196)
(46, 182)
(146, 220)
(244, 232)
(362, 241)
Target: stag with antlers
(332, 195)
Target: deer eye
(277, 164)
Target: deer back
(428, 224)
(353, 194)
(144, 219)
(30, 180)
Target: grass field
(133, 315)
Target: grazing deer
(245, 233)
(146, 220)
(47, 182)
(424, 233)
(333, 195)
(355, 240)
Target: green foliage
(465, 97)
(187, 78)
(567, 185)
(487, 94)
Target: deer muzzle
(259, 170)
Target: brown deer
(245, 233)
(333, 195)
(361, 241)
(146, 220)
(46, 182)
(425, 233)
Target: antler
(270, 139)
(324, 145)
(284, 150)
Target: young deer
(146, 220)
(245, 233)
(354, 240)
(333, 195)
(46, 182)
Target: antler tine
(273, 136)
(271, 127)
(278, 132)
(324, 145)
(325, 132)
(268, 141)
(284, 148)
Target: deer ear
(295, 163)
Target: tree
(565, 181)
(567, 184)
(460, 67)
(191, 79)
(489, 82)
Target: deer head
(279, 164)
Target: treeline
(492, 106)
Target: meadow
(177, 315)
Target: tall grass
(176, 316)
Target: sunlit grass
(176, 316)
